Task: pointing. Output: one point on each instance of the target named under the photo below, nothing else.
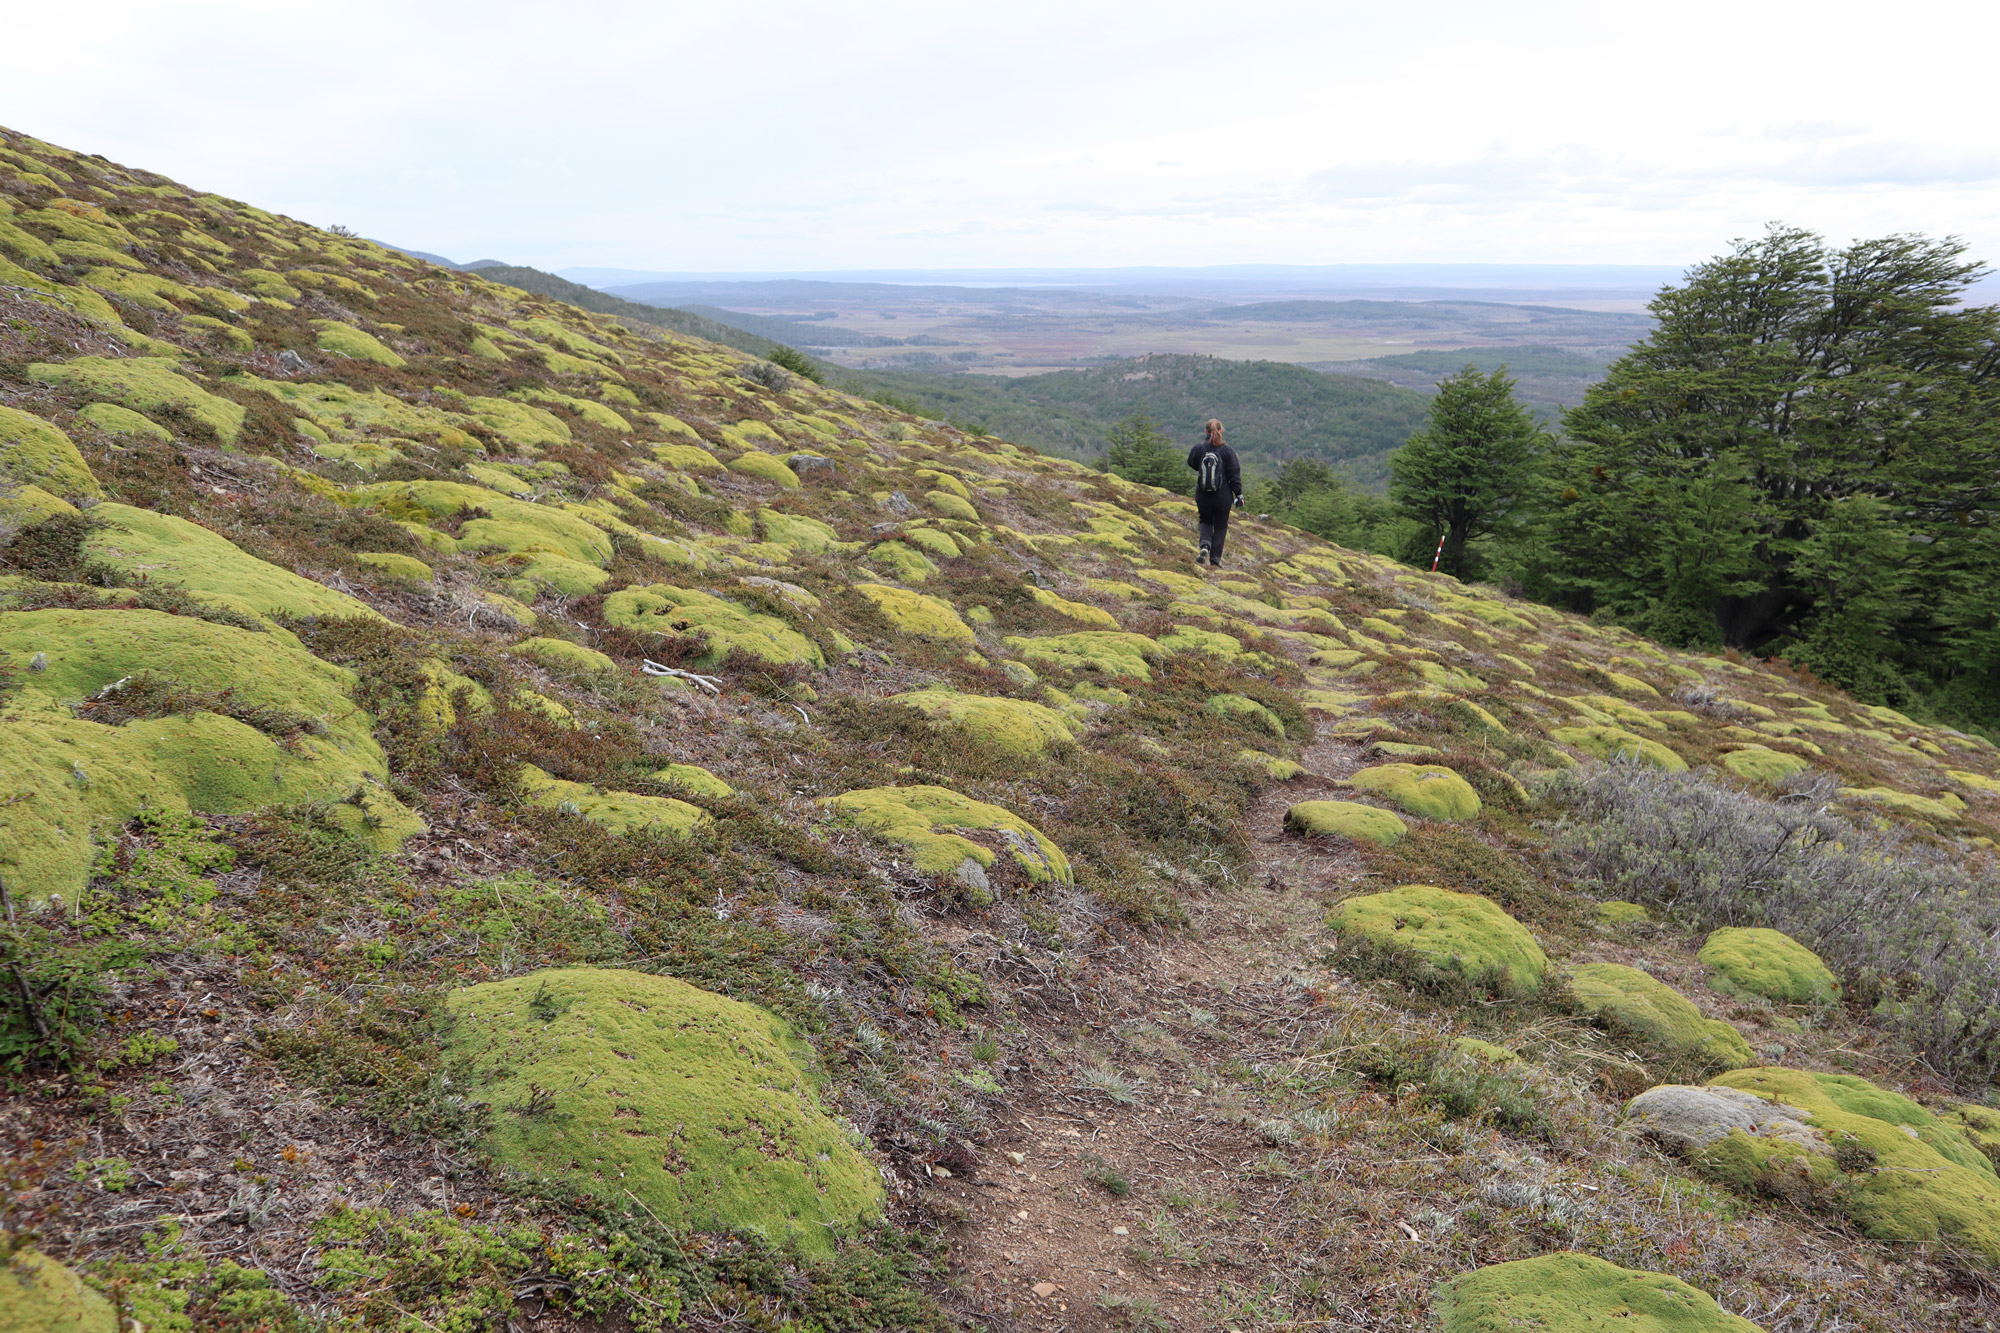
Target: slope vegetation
(518, 818)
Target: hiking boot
(1201, 556)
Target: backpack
(1208, 477)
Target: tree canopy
(1467, 472)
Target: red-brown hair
(1214, 431)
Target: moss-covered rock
(39, 1295)
(619, 811)
(1010, 728)
(1629, 1001)
(1576, 1293)
(1892, 1167)
(1271, 765)
(1760, 763)
(765, 467)
(1245, 709)
(562, 655)
(355, 344)
(912, 817)
(1460, 936)
(79, 778)
(1112, 652)
(919, 616)
(147, 384)
(172, 550)
(1603, 742)
(1768, 963)
(625, 1085)
(35, 453)
(1431, 791)
(1347, 819)
(722, 626)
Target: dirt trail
(1159, 1204)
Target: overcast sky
(781, 136)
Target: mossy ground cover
(542, 465)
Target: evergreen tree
(1137, 451)
(1468, 471)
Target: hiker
(1218, 485)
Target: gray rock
(1680, 1117)
(972, 875)
(807, 464)
(899, 503)
(293, 364)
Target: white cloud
(794, 135)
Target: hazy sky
(782, 136)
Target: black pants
(1214, 531)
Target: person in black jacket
(1218, 487)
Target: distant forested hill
(1274, 411)
(1547, 379)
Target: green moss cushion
(1894, 1168)
(1617, 743)
(149, 384)
(39, 1295)
(562, 654)
(919, 818)
(1347, 819)
(619, 811)
(722, 626)
(35, 453)
(1576, 1293)
(173, 550)
(696, 779)
(764, 467)
(1767, 963)
(1009, 728)
(915, 614)
(1428, 790)
(607, 1081)
(1627, 1000)
(392, 564)
(1458, 934)
(1760, 763)
(1245, 709)
(1111, 652)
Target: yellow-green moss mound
(1456, 935)
(151, 385)
(1892, 1167)
(1431, 791)
(694, 778)
(79, 779)
(607, 1081)
(394, 565)
(1617, 743)
(1627, 1000)
(1769, 963)
(1246, 709)
(506, 524)
(34, 453)
(1347, 819)
(915, 614)
(1760, 763)
(1576, 1293)
(39, 1295)
(356, 344)
(1112, 652)
(765, 467)
(563, 655)
(722, 626)
(913, 817)
(1011, 728)
(173, 550)
(619, 811)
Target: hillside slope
(517, 819)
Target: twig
(710, 683)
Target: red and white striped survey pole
(1440, 551)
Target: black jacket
(1232, 479)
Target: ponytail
(1214, 433)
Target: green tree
(1803, 458)
(1466, 474)
(1137, 451)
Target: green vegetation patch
(723, 627)
(696, 779)
(562, 654)
(503, 522)
(1757, 961)
(1577, 1293)
(1431, 791)
(1245, 709)
(1111, 652)
(797, 532)
(529, 573)
(147, 384)
(39, 1295)
(394, 565)
(356, 344)
(1461, 936)
(1760, 763)
(166, 549)
(915, 614)
(115, 420)
(623, 1084)
(765, 467)
(619, 811)
(1627, 1000)
(687, 457)
(1609, 743)
(1348, 819)
(34, 453)
(1926, 806)
(912, 817)
(1010, 728)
